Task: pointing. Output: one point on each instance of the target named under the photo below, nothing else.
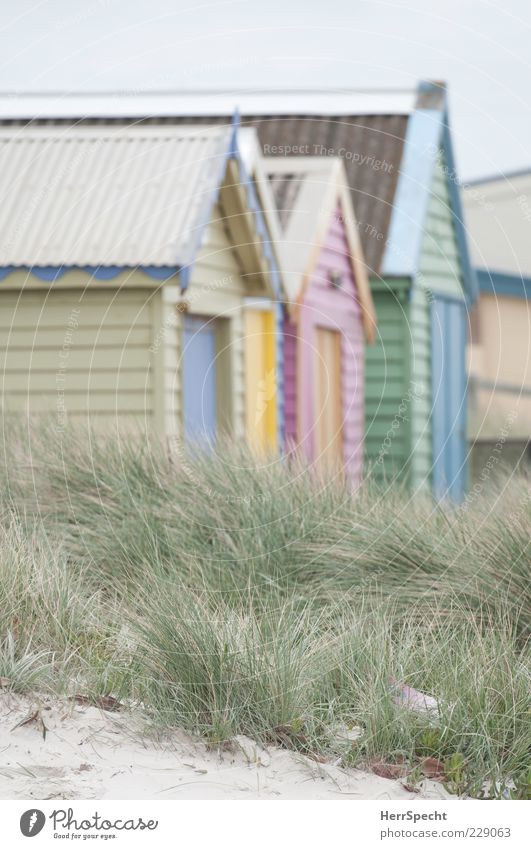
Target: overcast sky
(480, 47)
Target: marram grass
(230, 594)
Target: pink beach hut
(330, 314)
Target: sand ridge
(72, 751)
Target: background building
(498, 218)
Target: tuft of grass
(43, 600)
(223, 671)
(22, 669)
(231, 594)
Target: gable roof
(116, 196)
(389, 143)
(367, 129)
(371, 148)
(428, 133)
(106, 196)
(317, 185)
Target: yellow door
(328, 402)
(260, 380)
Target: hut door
(199, 378)
(448, 333)
(260, 379)
(328, 401)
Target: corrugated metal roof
(365, 128)
(371, 149)
(106, 196)
(370, 146)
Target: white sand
(91, 754)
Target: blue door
(449, 397)
(199, 378)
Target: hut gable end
(440, 261)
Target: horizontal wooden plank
(82, 380)
(31, 313)
(75, 358)
(105, 402)
(85, 337)
(390, 370)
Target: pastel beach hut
(329, 315)
(396, 147)
(398, 156)
(130, 258)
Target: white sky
(482, 48)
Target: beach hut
(130, 263)
(329, 311)
(397, 152)
(498, 216)
(423, 293)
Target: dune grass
(230, 595)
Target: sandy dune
(87, 753)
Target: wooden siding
(335, 309)
(217, 288)
(80, 354)
(388, 388)
(421, 383)
(440, 266)
(440, 274)
(399, 367)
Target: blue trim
(499, 283)
(102, 272)
(184, 277)
(236, 121)
(449, 401)
(50, 273)
(454, 188)
(160, 272)
(428, 130)
(407, 230)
